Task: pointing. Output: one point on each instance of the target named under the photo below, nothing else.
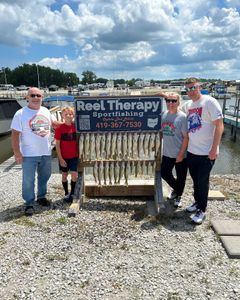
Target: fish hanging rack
(115, 157)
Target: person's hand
(213, 155)
(179, 158)
(18, 157)
(63, 163)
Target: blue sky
(149, 39)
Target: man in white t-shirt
(205, 128)
(31, 142)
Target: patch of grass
(233, 271)
(56, 257)
(124, 246)
(62, 220)
(217, 259)
(173, 296)
(25, 221)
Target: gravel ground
(112, 250)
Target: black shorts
(71, 165)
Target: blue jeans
(43, 166)
(200, 167)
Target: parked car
(53, 87)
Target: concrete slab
(226, 227)
(215, 195)
(231, 245)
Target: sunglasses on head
(35, 95)
(192, 88)
(171, 100)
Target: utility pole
(5, 76)
(38, 81)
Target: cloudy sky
(150, 39)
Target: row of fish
(118, 146)
(112, 172)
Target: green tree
(88, 77)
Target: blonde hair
(191, 80)
(67, 108)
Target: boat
(220, 92)
(8, 108)
(53, 101)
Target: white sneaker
(172, 195)
(178, 202)
(192, 208)
(198, 217)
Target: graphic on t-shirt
(40, 125)
(168, 128)
(194, 119)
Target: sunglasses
(35, 95)
(192, 88)
(171, 101)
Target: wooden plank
(77, 198)
(158, 195)
(136, 188)
(215, 195)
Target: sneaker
(68, 198)
(198, 217)
(192, 208)
(178, 202)
(172, 195)
(29, 211)
(43, 201)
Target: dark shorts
(71, 165)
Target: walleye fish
(111, 172)
(145, 144)
(130, 144)
(102, 145)
(100, 173)
(135, 144)
(81, 145)
(116, 172)
(157, 143)
(151, 143)
(140, 144)
(86, 146)
(127, 172)
(125, 146)
(108, 145)
(119, 145)
(92, 153)
(144, 168)
(97, 145)
(139, 168)
(95, 171)
(121, 171)
(105, 172)
(113, 145)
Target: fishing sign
(118, 114)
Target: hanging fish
(139, 168)
(111, 172)
(157, 143)
(144, 168)
(135, 145)
(95, 171)
(145, 144)
(119, 145)
(116, 172)
(140, 144)
(97, 145)
(100, 172)
(86, 146)
(102, 145)
(121, 171)
(151, 143)
(108, 145)
(105, 172)
(113, 145)
(92, 153)
(125, 146)
(81, 145)
(127, 172)
(130, 144)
